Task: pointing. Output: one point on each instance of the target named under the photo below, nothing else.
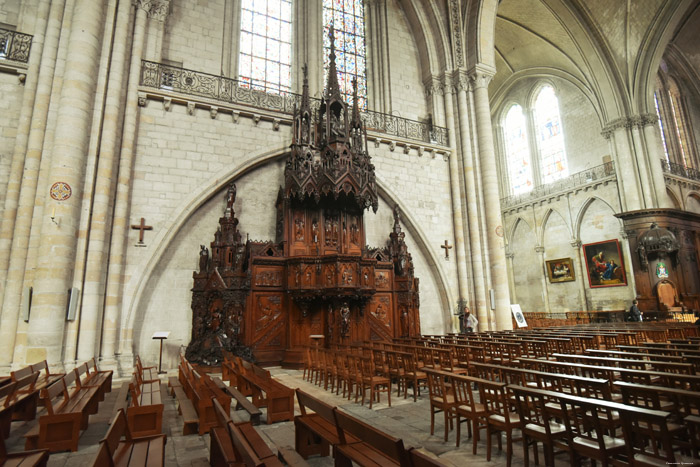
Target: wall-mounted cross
(141, 227)
(447, 248)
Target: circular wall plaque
(499, 230)
(60, 191)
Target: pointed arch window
(676, 130)
(550, 137)
(348, 20)
(517, 151)
(265, 55)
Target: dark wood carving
(317, 277)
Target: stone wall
(11, 91)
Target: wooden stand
(161, 336)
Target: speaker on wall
(73, 297)
(26, 303)
(492, 297)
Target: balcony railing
(14, 46)
(582, 178)
(221, 88)
(680, 170)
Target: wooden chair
(648, 439)
(414, 375)
(376, 383)
(441, 399)
(537, 423)
(500, 417)
(693, 424)
(466, 406)
(397, 371)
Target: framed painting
(561, 270)
(604, 264)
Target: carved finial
(332, 87)
(230, 199)
(356, 120)
(397, 219)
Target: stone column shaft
(489, 176)
(626, 168)
(95, 267)
(578, 265)
(458, 224)
(472, 210)
(120, 223)
(14, 236)
(656, 155)
(57, 248)
(543, 275)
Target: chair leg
(509, 448)
(459, 428)
(432, 420)
(526, 454)
(488, 443)
(388, 393)
(447, 422)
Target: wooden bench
(132, 450)
(275, 396)
(101, 379)
(145, 411)
(315, 432)
(68, 412)
(36, 458)
(242, 401)
(375, 448)
(146, 374)
(18, 400)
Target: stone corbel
(406, 149)
(235, 116)
(539, 249)
(213, 112)
(142, 99)
(22, 77)
(167, 103)
(421, 150)
(256, 119)
(190, 108)
(392, 146)
(276, 125)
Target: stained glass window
(661, 127)
(348, 20)
(517, 150)
(265, 56)
(550, 138)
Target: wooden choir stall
(265, 299)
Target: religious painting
(604, 264)
(561, 270)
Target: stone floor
(404, 419)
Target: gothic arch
(692, 199)
(135, 288)
(545, 219)
(429, 38)
(514, 227)
(582, 212)
(480, 32)
(674, 199)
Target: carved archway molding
(136, 287)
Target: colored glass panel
(265, 45)
(347, 19)
(550, 138)
(518, 151)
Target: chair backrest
(436, 384)
(6, 391)
(493, 396)
(531, 405)
(386, 444)
(117, 429)
(26, 383)
(21, 373)
(243, 448)
(103, 458)
(463, 390)
(586, 419)
(52, 392)
(41, 366)
(646, 433)
(92, 365)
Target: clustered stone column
(56, 257)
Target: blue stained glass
(349, 42)
(273, 73)
(247, 20)
(273, 25)
(286, 10)
(259, 46)
(285, 53)
(246, 42)
(258, 70)
(285, 29)
(273, 50)
(260, 6)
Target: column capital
(628, 123)
(159, 10)
(144, 5)
(461, 80)
(480, 75)
(433, 86)
(576, 244)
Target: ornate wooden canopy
(318, 281)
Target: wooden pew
(36, 458)
(242, 402)
(132, 450)
(99, 378)
(250, 447)
(19, 402)
(145, 412)
(266, 392)
(68, 412)
(375, 448)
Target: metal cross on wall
(447, 248)
(141, 227)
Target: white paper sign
(161, 335)
(518, 315)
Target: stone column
(652, 138)
(583, 276)
(16, 222)
(57, 247)
(455, 189)
(158, 12)
(434, 92)
(627, 174)
(472, 207)
(376, 15)
(543, 275)
(100, 222)
(232, 23)
(511, 277)
(480, 77)
(115, 274)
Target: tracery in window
(661, 127)
(517, 151)
(265, 55)
(676, 129)
(347, 17)
(550, 138)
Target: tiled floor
(404, 419)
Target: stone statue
(203, 258)
(344, 319)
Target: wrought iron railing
(15, 46)
(678, 169)
(584, 177)
(221, 88)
